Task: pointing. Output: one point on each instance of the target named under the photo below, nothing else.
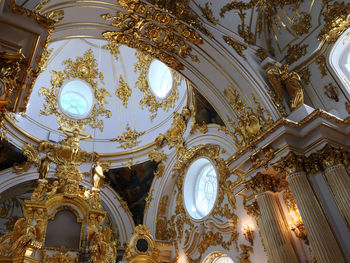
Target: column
(338, 181)
(278, 243)
(320, 235)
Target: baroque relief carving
(153, 31)
(85, 68)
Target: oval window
(160, 79)
(76, 99)
(200, 188)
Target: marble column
(338, 181)
(320, 235)
(275, 233)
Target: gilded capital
(330, 156)
(291, 163)
(263, 182)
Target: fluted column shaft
(278, 244)
(338, 181)
(320, 235)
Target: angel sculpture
(280, 78)
(98, 175)
(100, 244)
(21, 238)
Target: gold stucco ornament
(84, 68)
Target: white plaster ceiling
(46, 127)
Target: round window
(223, 259)
(76, 99)
(200, 188)
(160, 79)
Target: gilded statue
(98, 175)
(40, 190)
(53, 190)
(280, 77)
(100, 245)
(72, 141)
(16, 244)
(44, 167)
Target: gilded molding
(285, 122)
(153, 31)
(337, 20)
(85, 68)
(244, 255)
(123, 91)
(129, 138)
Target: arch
(339, 61)
(217, 257)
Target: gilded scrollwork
(153, 31)
(331, 91)
(337, 20)
(129, 138)
(174, 136)
(123, 91)
(178, 222)
(33, 157)
(295, 52)
(250, 123)
(208, 13)
(161, 223)
(244, 255)
(84, 68)
(236, 45)
(159, 157)
(149, 100)
(321, 61)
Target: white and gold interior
(249, 137)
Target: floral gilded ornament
(250, 122)
(129, 138)
(85, 68)
(149, 100)
(123, 92)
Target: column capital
(262, 182)
(291, 163)
(331, 156)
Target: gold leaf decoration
(161, 35)
(85, 68)
(250, 123)
(123, 92)
(158, 156)
(149, 100)
(337, 20)
(113, 49)
(235, 45)
(208, 13)
(295, 52)
(129, 138)
(42, 65)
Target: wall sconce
(248, 233)
(297, 225)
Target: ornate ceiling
(127, 115)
